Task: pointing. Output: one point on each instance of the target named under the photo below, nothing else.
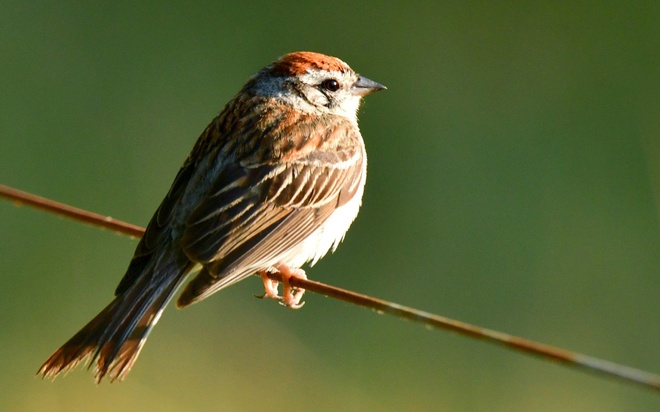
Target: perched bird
(272, 183)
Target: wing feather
(254, 215)
(157, 231)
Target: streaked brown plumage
(272, 183)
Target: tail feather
(114, 338)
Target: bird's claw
(291, 296)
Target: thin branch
(569, 358)
(23, 198)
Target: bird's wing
(158, 235)
(158, 230)
(255, 212)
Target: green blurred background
(514, 183)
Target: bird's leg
(291, 296)
(270, 286)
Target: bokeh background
(514, 183)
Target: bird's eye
(331, 85)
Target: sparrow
(274, 182)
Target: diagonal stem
(547, 352)
(24, 198)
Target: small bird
(273, 182)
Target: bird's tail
(114, 338)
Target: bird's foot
(291, 296)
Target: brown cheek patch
(299, 62)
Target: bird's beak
(364, 86)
